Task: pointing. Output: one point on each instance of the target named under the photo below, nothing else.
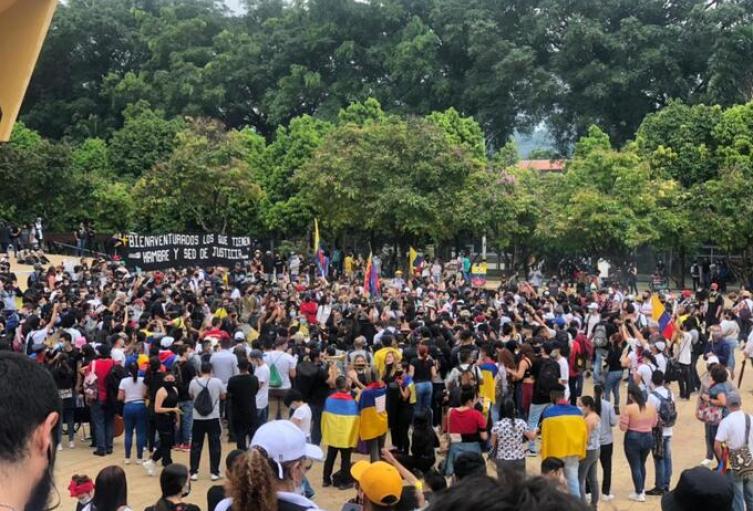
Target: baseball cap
(256, 354)
(284, 442)
(379, 481)
(712, 359)
(239, 336)
(593, 306)
(699, 489)
(166, 341)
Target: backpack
(275, 380)
(600, 336)
(562, 339)
(91, 386)
(581, 359)
(667, 410)
(203, 402)
(112, 382)
(548, 377)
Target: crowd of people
(429, 376)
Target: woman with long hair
(153, 377)
(509, 437)
(614, 369)
(132, 391)
(250, 484)
(423, 370)
(175, 484)
(587, 468)
(167, 415)
(637, 420)
(110, 491)
(523, 378)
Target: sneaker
(707, 463)
(606, 498)
(139, 461)
(60, 447)
(194, 477)
(655, 492)
(637, 497)
(150, 467)
(127, 461)
(99, 453)
(531, 454)
(71, 445)
(215, 477)
(326, 484)
(345, 486)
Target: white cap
(239, 336)
(166, 341)
(284, 442)
(660, 345)
(593, 306)
(712, 359)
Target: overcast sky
(234, 4)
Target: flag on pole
(371, 283)
(322, 264)
(661, 316)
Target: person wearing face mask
(27, 449)
(175, 485)
(167, 418)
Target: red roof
(543, 165)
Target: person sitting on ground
(468, 464)
(81, 488)
(218, 492)
(553, 469)
(699, 489)
(379, 485)
(110, 491)
(175, 483)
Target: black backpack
(548, 377)
(203, 403)
(112, 382)
(562, 338)
(667, 410)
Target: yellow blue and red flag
(340, 421)
(322, 263)
(372, 405)
(661, 316)
(487, 388)
(371, 283)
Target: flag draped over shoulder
(372, 405)
(340, 421)
(661, 316)
(487, 387)
(371, 283)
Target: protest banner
(172, 250)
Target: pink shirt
(634, 419)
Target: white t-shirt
(645, 371)
(686, 343)
(665, 393)
(564, 375)
(262, 396)
(284, 362)
(134, 390)
(303, 414)
(118, 355)
(732, 430)
(661, 362)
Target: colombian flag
(321, 260)
(371, 283)
(340, 421)
(408, 383)
(412, 255)
(661, 316)
(489, 372)
(372, 405)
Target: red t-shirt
(468, 423)
(309, 309)
(217, 333)
(102, 367)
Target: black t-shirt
(311, 381)
(187, 373)
(422, 369)
(242, 389)
(614, 356)
(540, 388)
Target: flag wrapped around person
(660, 315)
(372, 406)
(340, 421)
(487, 385)
(371, 284)
(322, 262)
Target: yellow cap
(379, 481)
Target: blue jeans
(637, 447)
(134, 417)
(80, 246)
(601, 354)
(663, 466)
(102, 416)
(460, 447)
(424, 391)
(732, 343)
(186, 422)
(612, 385)
(534, 414)
(572, 463)
(262, 415)
(743, 492)
(316, 424)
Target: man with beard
(29, 413)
